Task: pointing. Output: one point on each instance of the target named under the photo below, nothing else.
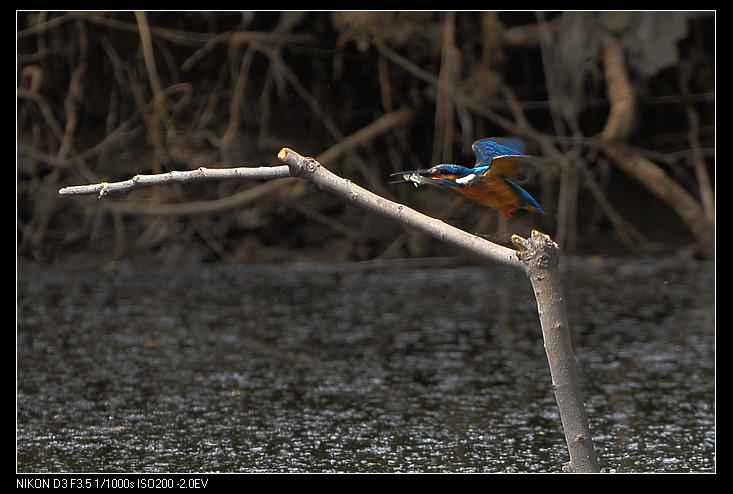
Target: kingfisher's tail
(526, 198)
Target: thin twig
(703, 180)
(445, 99)
(74, 95)
(236, 101)
(49, 24)
(159, 99)
(201, 174)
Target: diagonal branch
(310, 169)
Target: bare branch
(705, 187)
(540, 256)
(198, 175)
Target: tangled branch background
(620, 105)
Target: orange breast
(493, 192)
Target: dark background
(235, 87)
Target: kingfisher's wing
(486, 150)
(503, 157)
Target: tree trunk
(539, 254)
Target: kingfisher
(492, 181)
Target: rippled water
(321, 368)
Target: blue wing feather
(526, 198)
(488, 149)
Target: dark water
(322, 368)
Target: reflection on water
(318, 368)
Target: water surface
(344, 368)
